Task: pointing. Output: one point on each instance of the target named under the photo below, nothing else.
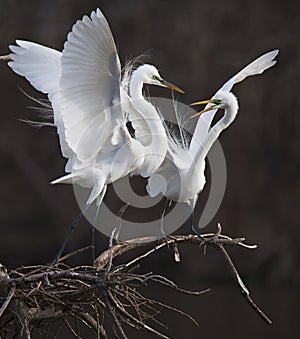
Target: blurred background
(197, 45)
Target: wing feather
(90, 86)
(40, 65)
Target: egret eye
(216, 101)
(156, 78)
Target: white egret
(181, 176)
(91, 109)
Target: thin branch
(58, 275)
(133, 319)
(117, 250)
(5, 58)
(72, 254)
(138, 296)
(90, 321)
(244, 290)
(70, 327)
(8, 299)
(116, 320)
(181, 290)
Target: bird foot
(214, 239)
(164, 238)
(203, 239)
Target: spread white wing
(83, 85)
(90, 87)
(41, 66)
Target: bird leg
(212, 240)
(162, 234)
(99, 200)
(204, 240)
(119, 216)
(93, 233)
(92, 229)
(192, 223)
(68, 235)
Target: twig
(214, 241)
(244, 290)
(90, 321)
(8, 299)
(27, 328)
(70, 327)
(174, 247)
(117, 250)
(5, 58)
(137, 295)
(132, 318)
(181, 290)
(116, 320)
(72, 254)
(58, 275)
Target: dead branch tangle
(103, 294)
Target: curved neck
(146, 109)
(157, 148)
(136, 85)
(228, 117)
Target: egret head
(150, 75)
(221, 100)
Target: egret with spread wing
(181, 176)
(91, 109)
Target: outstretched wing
(258, 66)
(90, 87)
(40, 65)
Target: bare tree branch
(36, 294)
(244, 290)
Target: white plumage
(91, 108)
(181, 175)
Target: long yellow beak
(171, 86)
(204, 102)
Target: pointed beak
(171, 86)
(204, 102)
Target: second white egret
(181, 176)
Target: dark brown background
(197, 45)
